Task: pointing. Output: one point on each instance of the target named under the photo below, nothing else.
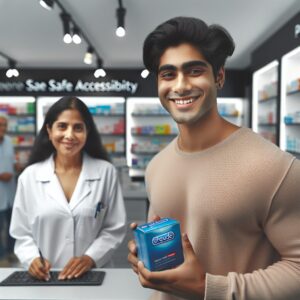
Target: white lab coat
(43, 219)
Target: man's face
(186, 84)
(3, 127)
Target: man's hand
(38, 270)
(76, 267)
(6, 176)
(132, 256)
(187, 280)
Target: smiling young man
(235, 194)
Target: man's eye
(196, 71)
(167, 75)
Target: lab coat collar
(46, 173)
(46, 170)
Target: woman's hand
(38, 270)
(76, 267)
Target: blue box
(159, 244)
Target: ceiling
(33, 36)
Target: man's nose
(182, 84)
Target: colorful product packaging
(159, 244)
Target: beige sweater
(239, 202)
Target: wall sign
(66, 86)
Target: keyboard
(23, 278)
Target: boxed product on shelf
(21, 140)
(228, 109)
(160, 129)
(292, 118)
(149, 109)
(293, 144)
(141, 162)
(269, 90)
(107, 109)
(293, 86)
(18, 108)
(115, 146)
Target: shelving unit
(264, 102)
(290, 102)
(232, 109)
(21, 125)
(149, 129)
(109, 117)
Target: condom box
(159, 244)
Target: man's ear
(220, 78)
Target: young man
(7, 186)
(235, 194)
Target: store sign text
(34, 86)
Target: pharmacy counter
(118, 284)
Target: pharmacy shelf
(264, 101)
(148, 115)
(21, 124)
(233, 110)
(154, 135)
(148, 126)
(267, 100)
(145, 117)
(290, 104)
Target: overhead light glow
(145, 73)
(47, 4)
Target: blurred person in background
(7, 189)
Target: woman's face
(68, 133)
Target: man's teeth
(184, 101)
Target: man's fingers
(133, 226)
(158, 277)
(132, 246)
(188, 250)
(155, 218)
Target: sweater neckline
(213, 148)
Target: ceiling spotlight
(88, 57)
(120, 31)
(145, 73)
(47, 4)
(99, 72)
(76, 36)
(66, 27)
(12, 71)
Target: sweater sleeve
(282, 227)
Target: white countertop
(118, 284)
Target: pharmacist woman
(68, 211)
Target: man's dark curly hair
(214, 42)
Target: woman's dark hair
(43, 148)
(214, 42)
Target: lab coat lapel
(51, 183)
(84, 184)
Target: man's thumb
(188, 250)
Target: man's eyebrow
(167, 67)
(194, 63)
(189, 64)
